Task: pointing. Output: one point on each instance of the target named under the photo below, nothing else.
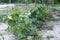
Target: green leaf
(16, 17)
(11, 23)
(15, 11)
(27, 20)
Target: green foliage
(31, 1)
(22, 24)
(41, 13)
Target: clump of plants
(23, 25)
